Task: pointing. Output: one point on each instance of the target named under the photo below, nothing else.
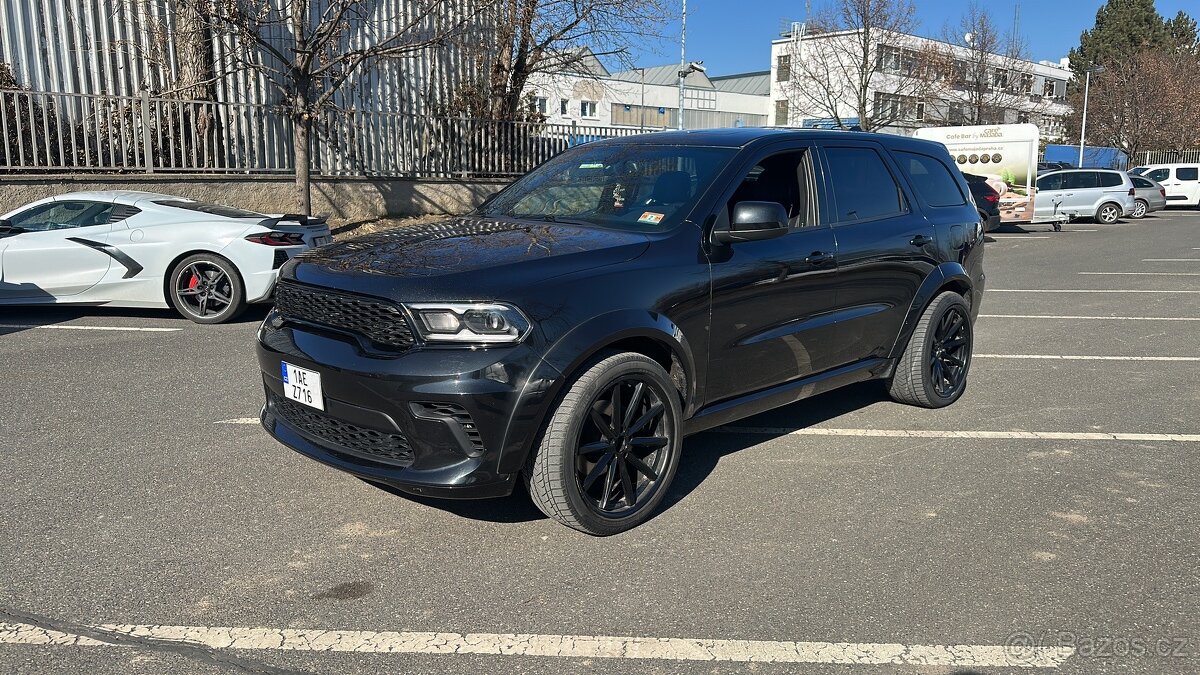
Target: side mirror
(753, 221)
(7, 228)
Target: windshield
(627, 186)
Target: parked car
(987, 200)
(1181, 182)
(140, 249)
(1150, 196)
(1101, 194)
(1044, 167)
(624, 294)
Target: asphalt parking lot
(1048, 520)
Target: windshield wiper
(548, 218)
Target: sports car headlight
(470, 322)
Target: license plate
(302, 385)
(321, 241)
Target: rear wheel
(1140, 208)
(611, 447)
(1108, 213)
(206, 288)
(932, 372)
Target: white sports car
(140, 249)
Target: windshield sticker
(651, 218)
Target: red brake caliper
(195, 281)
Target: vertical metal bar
(147, 145)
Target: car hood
(462, 258)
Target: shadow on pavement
(701, 454)
(14, 319)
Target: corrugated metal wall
(121, 47)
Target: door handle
(818, 257)
(921, 240)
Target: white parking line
(1143, 274)
(932, 433)
(1081, 290)
(1172, 259)
(64, 327)
(1015, 236)
(1073, 357)
(1089, 318)
(239, 420)
(569, 646)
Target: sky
(734, 36)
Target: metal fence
(50, 132)
(1171, 156)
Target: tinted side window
(1187, 173)
(1108, 179)
(1159, 174)
(863, 188)
(784, 179)
(1080, 180)
(1051, 182)
(932, 179)
(63, 216)
(1140, 182)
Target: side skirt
(768, 399)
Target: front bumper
(442, 422)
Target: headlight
(470, 322)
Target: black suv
(624, 294)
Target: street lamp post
(1087, 82)
(683, 72)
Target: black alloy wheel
(621, 451)
(950, 353)
(610, 447)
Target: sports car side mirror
(8, 229)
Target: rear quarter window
(1140, 182)
(1111, 179)
(1159, 174)
(932, 179)
(1187, 173)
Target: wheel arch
(949, 276)
(640, 331)
(1106, 202)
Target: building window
(539, 105)
(1022, 117)
(783, 68)
(888, 59)
(1048, 87)
(562, 106)
(700, 99)
(920, 112)
(1026, 83)
(587, 108)
(896, 108)
(1000, 79)
(781, 113)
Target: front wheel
(611, 447)
(206, 288)
(1139, 209)
(1108, 214)
(932, 372)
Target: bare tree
(308, 50)
(858, 56)
(542, 36)
(983, 73)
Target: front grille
(379, 321)
(379, 446)
(458, 414)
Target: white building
(588, 94)
(915, 82)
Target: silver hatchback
(1102, 194)
(1150, 196)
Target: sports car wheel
(206, 288)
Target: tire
(1140, 208)
(928, 354)
(1108, 213)
(566, 473)
(206, 288)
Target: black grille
(458, 414)
(380, 446)
(379, 321)
(121, 212)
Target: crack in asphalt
(181, 647)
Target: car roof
(748, 136)
(130, 197)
